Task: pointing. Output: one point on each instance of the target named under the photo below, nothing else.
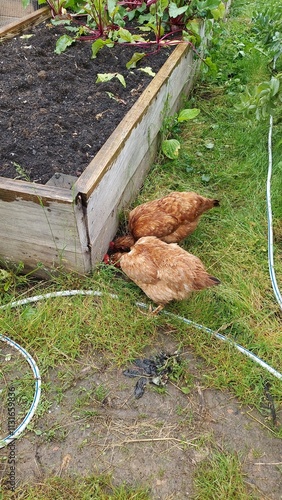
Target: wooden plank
(60, 180)
(100, 238)
(11, 190)
(16, 27)
(83, 235)
(51, 233)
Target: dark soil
(54, 117)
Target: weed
(55, 433)
(170, 147)
(100, 393)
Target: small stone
(42, 74)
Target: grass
(77, 488)
(220, 477)
(231, 241)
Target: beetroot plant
(144, 24)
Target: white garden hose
(269, 219)
(68, 293)
(15, 434)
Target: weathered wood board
(16, 27)
(72, 228)
(42, 225)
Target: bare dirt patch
(155, 441)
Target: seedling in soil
(106, 77)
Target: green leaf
(121, 79)
(175, 11)
(137, 56)
(209, 145)
(211, 4)
(63, 42)
(60, 22)
(106, 77)
(4, 274)
(112, 96)
(206, 178)
(193, 25)
(170, 148)
(219, 12)
(159, 7)
(148, 70)
(210, 64)
(185, 390)
(274, 85)
(112, 7)
(187, 114)
(189, 169)
(124, 35)
(98, 45)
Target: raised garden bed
(71, 225)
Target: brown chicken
(170, 218)
(165, 271)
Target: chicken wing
(170, 218)
(165, 272)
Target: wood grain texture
(44, 230)
(16, 27)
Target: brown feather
(164, 271)
(170, 218)
(122, 243)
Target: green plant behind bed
(265, 98)
(170, 146)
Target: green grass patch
(220, 477)
(78, 488)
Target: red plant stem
(134, 4)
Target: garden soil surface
(54, 117)
(157, 441)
